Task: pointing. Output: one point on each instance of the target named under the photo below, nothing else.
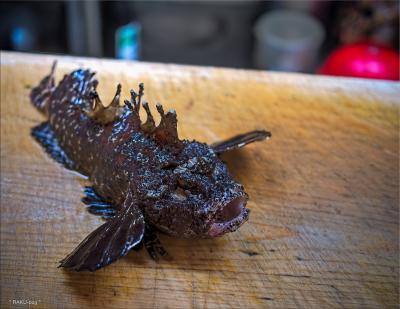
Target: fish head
(200, 198)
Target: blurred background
(346, 38)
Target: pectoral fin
(97, 205)
(241, 140)
(153, 244)
(110, 241)
(45, 136)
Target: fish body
(144, 177)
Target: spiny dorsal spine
(166, 132)
(105, 115)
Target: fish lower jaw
(233, 215)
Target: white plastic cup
(287, 41)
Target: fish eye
(170, 165)
(202, 165)
(189, 186)
(184, 184)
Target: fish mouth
(232, 215)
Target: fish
(144, 179)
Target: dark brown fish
(144, 177)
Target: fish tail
(41, 94)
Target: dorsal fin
(165, 133)
(149, 126)
(105, 115)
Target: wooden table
(323, 231)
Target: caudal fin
(40, 95)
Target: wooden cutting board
(324, 222)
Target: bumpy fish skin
(141, 173)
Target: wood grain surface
(323, 231)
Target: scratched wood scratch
(323, 231)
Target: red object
(364, 59)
